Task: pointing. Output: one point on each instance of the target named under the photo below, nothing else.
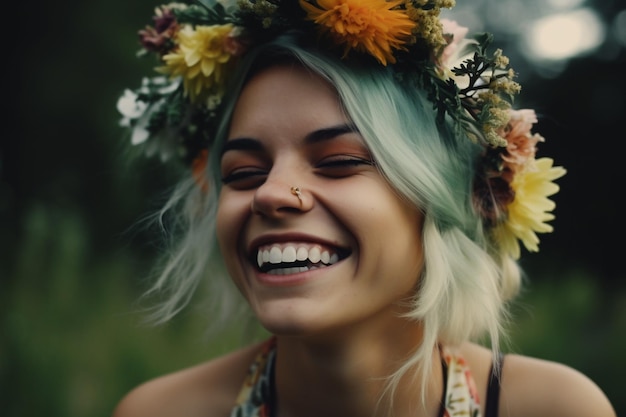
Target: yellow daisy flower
(200, 59)
(530, 210)
(372, 26)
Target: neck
(347, 372)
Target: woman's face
(347, 249)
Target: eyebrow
(329, 133)
(316, 136)
(238, 144)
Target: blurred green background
(72, 268)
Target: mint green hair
(465, 283)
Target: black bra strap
(493, 387)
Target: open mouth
(292, 258)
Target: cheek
(404, 252)
(232, 214)
(409, 227)
(232, 210)
(398, 232)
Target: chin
(285, 318)
(290, 328)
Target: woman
(366, 200)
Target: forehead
(285, 99)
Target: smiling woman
(367, 200)
(345, 205)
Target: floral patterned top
(256, 396)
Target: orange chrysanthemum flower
(372, 26)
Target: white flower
(137, 113)
(140, 132)
(165, 85)
(130, 108)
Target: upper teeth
(276, 254)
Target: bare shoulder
(534, 387)
(208, 389)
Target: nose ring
(297, 192)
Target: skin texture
(345, 204)
(338, 327)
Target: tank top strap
(493, 387)
(460, 393)
(256, 397)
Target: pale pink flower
(521, 143)
(458, 33)
(455, 53)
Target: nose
(277, 198)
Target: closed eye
(343, 165)
(244, 178)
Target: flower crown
(174, 114)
